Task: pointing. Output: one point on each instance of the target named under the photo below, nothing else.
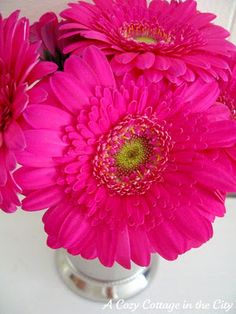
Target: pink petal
(50, 117)
(162, 63)
(14, 137)
(167, 241)
(69, 92)
(126, 57)
(35, 178)
(201, 96)
(139, 246)
(55, 216)
(34, 159)
(42, 69)
(145, 61)
(107, 246)
(82, 72)
(73, 230)
(42, 199)
(37, 95)
(123, 249)
(44, 142)
(190, 223)
(99, 63)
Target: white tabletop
(29, 283)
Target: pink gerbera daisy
(163, 39)
(47, 31)
(126, 171)
(19, 69)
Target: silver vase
(92, 280)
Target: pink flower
(46, 31)
(163, 39)
(19, 69)
(126, 171)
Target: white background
(29, 283)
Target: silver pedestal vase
(92, 280)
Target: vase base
(102, 289)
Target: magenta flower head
(163, 39)
(128, 171)
(19, 69)
(47, 31)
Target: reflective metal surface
(90, 279)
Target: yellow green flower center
(145, 39)
(132, 154)
(145, 33)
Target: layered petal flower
(163, 39)
(20, 68)
(125, 171)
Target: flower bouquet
(121, 117)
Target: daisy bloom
(46, 31)
(128, 171)
(19, 70)
(161, 39)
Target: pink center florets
(151, 35)
(143, 32)
(133, 155)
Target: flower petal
(50, 117)
(14, 137)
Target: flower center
(132, 156)
(143, 32)
(5, 117)
(145, 39)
